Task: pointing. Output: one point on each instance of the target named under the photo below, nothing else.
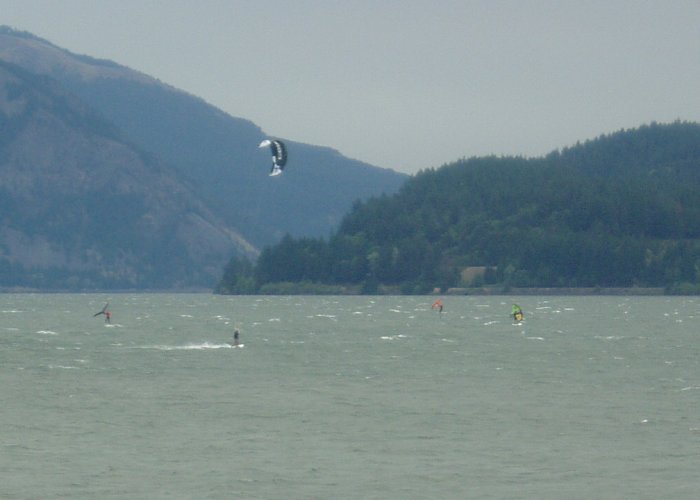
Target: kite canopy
(279, 155)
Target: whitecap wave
(327, 316)
(187, 347)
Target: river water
(348, 397)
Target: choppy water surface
(349, 397)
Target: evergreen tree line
(619, 211)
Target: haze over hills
(83, 208)
(216, 151)
(112, 179)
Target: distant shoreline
(100, 291)
(634, 291)
(485, 291)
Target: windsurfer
(108, 315)
(517, 312)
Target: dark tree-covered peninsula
(622, 210)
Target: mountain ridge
(218, 152)
(55, 202)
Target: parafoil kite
(279, 155)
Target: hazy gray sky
(405, 84)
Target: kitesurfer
(236, 336)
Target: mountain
(622, 210)
(83, 208)
(110, 178)
(218, 153)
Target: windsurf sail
(279, 155)
(437, 305)
(103, 311)
(517, 312)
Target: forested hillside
(622, 210)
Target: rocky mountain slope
(216, 151)
(82, 208)
(110, 178)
